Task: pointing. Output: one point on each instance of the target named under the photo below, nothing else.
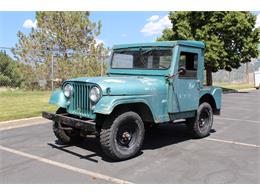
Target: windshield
(149, 58)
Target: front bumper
(85, 125)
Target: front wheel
(65, 134)
(122, 136)
(201, 124)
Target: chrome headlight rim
(95, 94)
(68, 90)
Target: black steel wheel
(122, 136)
(201, 124)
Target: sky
(117, 27)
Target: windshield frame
(142, 49)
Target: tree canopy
(9, 76)
(230, 37)
(68, 36)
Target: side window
(190, 62)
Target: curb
(8, 125)
(18, 120)
(22, 125)
(248, 89)
(237, 91)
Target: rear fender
(217, 95)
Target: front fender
(157, 105)
(107, 104)
(58, 98)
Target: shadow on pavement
(63, 148)
(159, 137)
(166, 134)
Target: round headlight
(94, 94)
(68, 90)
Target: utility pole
(101, 66)
(52, 72)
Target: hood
(127, 85)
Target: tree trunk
(247, 72)
(209, 75)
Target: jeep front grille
(80, 102)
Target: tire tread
(106, 133)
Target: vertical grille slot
(80, 104)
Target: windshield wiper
(147, 51)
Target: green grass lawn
(23, 104)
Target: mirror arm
(173, 75)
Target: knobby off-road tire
(122, 135)
(63, 136)
(201, 124)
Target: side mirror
(182, 71)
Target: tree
(9, 75)
(230, 37)
(68, 36)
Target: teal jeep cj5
(146, 84)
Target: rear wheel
(122, 135)
(65, 134)
(201, 124)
